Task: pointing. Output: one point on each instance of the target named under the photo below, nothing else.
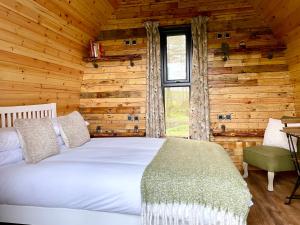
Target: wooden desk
(293, 132)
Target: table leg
(293, 196)
(294, 156)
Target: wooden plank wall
(41, 48)
(249, 85)
(115, 90)
(284, 18)
(293, 57)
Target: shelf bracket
(131, 62)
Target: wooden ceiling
(133, 13)
(92, 16)
(83, 15)
(156, 8)
(281, 15)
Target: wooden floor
(269, 207)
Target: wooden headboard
(10, 113)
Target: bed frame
(44, 215)
(9, 114)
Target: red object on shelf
(101, 50)
(92, 54)
(96, 49)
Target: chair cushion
(273, 159)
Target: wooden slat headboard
(10, 113)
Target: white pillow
(275, 137)
(11, 156)
(55, 126)
(9, 139)
(60, 141)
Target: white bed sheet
(102, 175)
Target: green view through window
(176, 55)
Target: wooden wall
(293, 57)
(115, 90)
(249, 85)
(42, 44)
(284, 18)
(41, 48)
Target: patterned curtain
(155, 118)
(199, 103)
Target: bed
(97, 183)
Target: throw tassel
(185, 214)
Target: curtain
(199, 102)
(155, 118)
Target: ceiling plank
(114, 3)
(281, 16)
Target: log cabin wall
(284, 18)
(293, 57)
(41, 48)
(250, 86)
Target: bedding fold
(188, 181)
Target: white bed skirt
(59, 216)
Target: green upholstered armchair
(271, 159)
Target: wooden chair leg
(270, 181)
(245, 167)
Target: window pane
(176, 57)
(177, 111)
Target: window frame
(174, 31)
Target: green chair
(271, 159)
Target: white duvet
(102, 175)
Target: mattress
(102, 175)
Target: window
(176, 66)
(176, 58)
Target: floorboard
(269, 207)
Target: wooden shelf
(239, 133)
(233, 133)
(219, 52)
(119, 134)
(131, 58)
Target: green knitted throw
(189, 178)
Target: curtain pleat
(199, 102)
(155, 118)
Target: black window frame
(174, 31)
